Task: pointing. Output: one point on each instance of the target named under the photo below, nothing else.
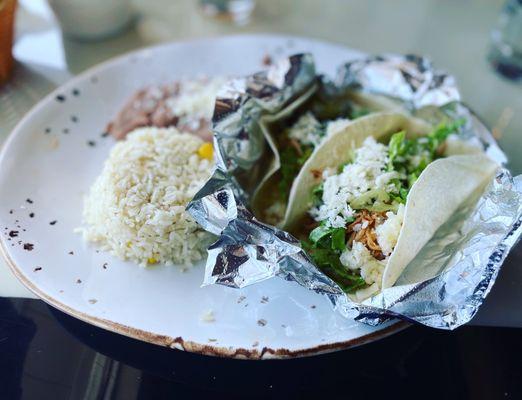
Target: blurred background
(479, 41)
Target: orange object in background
(7, 16)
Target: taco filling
(296, 144)
(358, 208)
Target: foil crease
(248, 251)
(410, 78)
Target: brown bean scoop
(149, 107)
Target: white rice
(136, 207)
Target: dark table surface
(45, 354)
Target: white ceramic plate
(53, 156)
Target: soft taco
(295, 132)
(374, 193)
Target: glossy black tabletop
(45, 354)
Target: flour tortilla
(441, 188)
(334, 152)
(266, 193)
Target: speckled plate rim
(151, 337)
(206, 349)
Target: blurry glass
(506, 48)
(236, 11)
(92, 19)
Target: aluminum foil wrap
(463, 259)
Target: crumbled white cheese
(328, 172)
(335, 209)
(196, 99)
(351, 258)
(357, 227)
(373, 155)
(366, 172)
(360, 258)
(382, 180)
(336, 125)
(307, 130)
(388, 232)
(360, 226)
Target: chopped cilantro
(338, 239)
(396, 147)
(294, 152)
(327, 260)
(410, 157)
(317, 193)
(291, 163)
(328, 237)
(359, 112)
(319, 233)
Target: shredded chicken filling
(363, 230)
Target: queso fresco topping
(296, 137)
(359, 209)
(299, 140)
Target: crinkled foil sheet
(464, 261)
